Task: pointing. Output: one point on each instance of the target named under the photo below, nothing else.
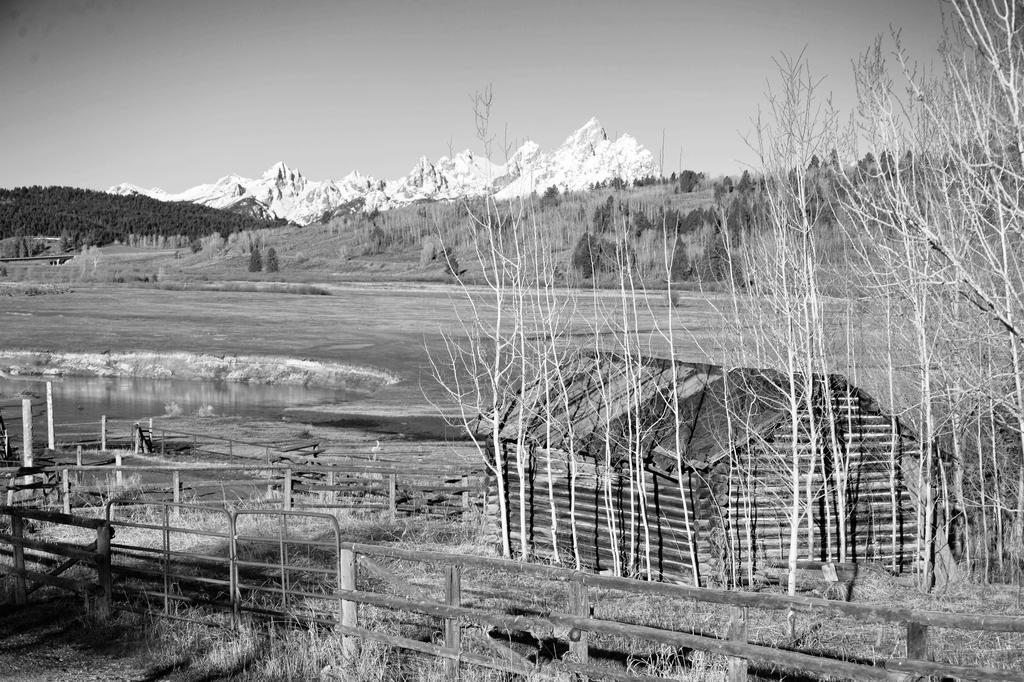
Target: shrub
(428, 251)
(451, 263)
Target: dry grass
(277, 652)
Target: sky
(174, 93)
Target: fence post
(18, 531)
(917, 642)
(65, 491)
(236, 593)
(333, 495)
(167, 559)
(103, 432)
(286, 491)
(392, 496)
(103, 534)
(579, 605)
(465, 496)
(452, 630)
(349, 609)
(26, 432)
(49, 415)
(176, 486)
(136, 438)
(78, 456)
(737, 671)
(118, 474)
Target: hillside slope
(85, 217)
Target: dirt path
(56, 641)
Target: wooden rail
(161, 577)
(302, 486)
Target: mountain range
(587, 157)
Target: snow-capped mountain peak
(281, 171)
(590, 134)
(586, 157)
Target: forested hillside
(85, 217)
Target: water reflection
(78, 399)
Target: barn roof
(602, 405)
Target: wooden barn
(685, 473)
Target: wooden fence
(353, 485)
(249, 575)
(296, 473)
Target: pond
(85, 399)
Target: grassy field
(395, 327)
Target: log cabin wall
(873, 452)
(609, 520)
(737, 480)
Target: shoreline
(244, 369)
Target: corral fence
(433, 491)
(146, 435)
(292, 473)
(218, 564)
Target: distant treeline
(83, 217)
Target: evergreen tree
(745, 184)
(550, 198)
(272, 264)
(255, 259)
(603, 219)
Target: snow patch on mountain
(587, 157)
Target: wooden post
(103, 570)
(103, 432)
(286, 491)
(176, 486)
(118, 474)
(333, 494)
(579, 605)
(78, 456)
(917, 642)
(236, 593)
(65, 491)
(49, 415)
(452, 629)
(349, 609)
(231, 448)
(737, 671)
(465, 496)
(136, 438)
(152, 441)
(18, 531)
(26, 432)
(392, 496)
